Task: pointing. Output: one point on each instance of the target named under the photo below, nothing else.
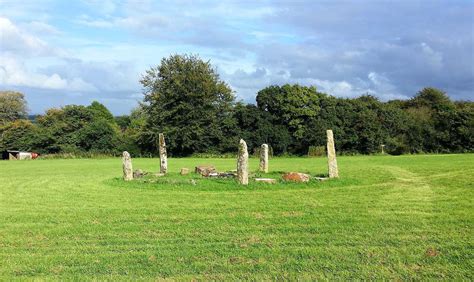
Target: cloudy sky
(63, 52)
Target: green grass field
(386, 217)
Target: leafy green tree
(17, 135)
(187, 101)
(258, 127)
(432, 98)
(99, 135)
(293, 106)
(123, 121)
(99, 111)
(12, 106)
(133, 137)
(76, 129)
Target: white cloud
(433, 58)
(17, 46)
(13, 39)
(43, 28)
(141, 23)
(15, 73)
(382, 86)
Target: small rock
(184, 171)
(296, 177)
(204, 170)
(321, 178)
(227, 174)
(266, 180)
(212, 174)
(431, 252)
(138, 173)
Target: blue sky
(62, 52)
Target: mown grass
(385, 218)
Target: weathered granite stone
(163, 156)
(139, 173)
(228, 174)
(184, 171)
(296, 177)
(332, 162)
(264, 158)
(204, 170)
(321, 178)
(243, 163)
(127, 166)
(221, 174)
(266, 180)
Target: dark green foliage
(123, 121)
(17, 135)
(98, 136)
(292, 106)
(186, 100)
(71, 129)
(99, 111)
(258, 127)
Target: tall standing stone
(243, 163)
(127, 166)
(332, 162)
(264, 158)
(163, 156)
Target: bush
(396, 147)
(256, 151)
(316, 151)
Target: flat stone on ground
(266, 180)
(204, 170)
(296, 177)
(321, 178)
(139, 173)
(184, 171)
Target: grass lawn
(386, 217)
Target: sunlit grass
(386, 217)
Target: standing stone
(163, 156)
(332, 163)
(243, 163)
(264, 158)
(127, 166)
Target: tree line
(186, 100)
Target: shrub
(316, 151)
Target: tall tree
(12, 106)
(185, 99)
(293, 106)
(99, 111)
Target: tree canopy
(12, 106)
(186, 100)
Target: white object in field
(25, 156)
